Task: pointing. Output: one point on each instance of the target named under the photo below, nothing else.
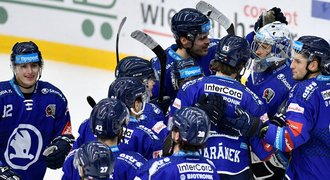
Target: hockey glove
(7, 174)
(228, 130)
(213, 105)
(278, 119)
(162, 105)
(57, 151)
(247, 124)
(283, 158)
(274, 14)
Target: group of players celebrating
(210, 125)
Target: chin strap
(309, 72)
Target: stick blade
(216, 15)
(144, 39)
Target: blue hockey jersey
(307, 133)
(272, 87)
(177, 167)
(152, 118)
(204, 63)
(126, 165)
(141, 139)
(29, 125)
(230, 154)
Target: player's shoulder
(47, 88)
(304, 89)
(147, 132)
(192, 84)
(132, 158)
(5, 88)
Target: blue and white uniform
(29, 125)
(307, 133)
(230, 154)
(141, 139)
(203, 62)
(152, 118)
(181, 165)
(272, 86)
(126, 165)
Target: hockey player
(271, 80)
(94, 161)
(34, 115)
(189, 132)
(137, 136)
(152, 117)
(140, 68)
(226, 148)
(191, 30)
(108, 118)
(133, 66)
(183, 71)
(306, 133)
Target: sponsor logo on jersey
(215, 88)
(284, 81)
(23, 147)
(267, 146)
(5, 92)
(130, 159)
(288, 142)
(155, 108)
(309, 90)
(194, 167)
(197, 176)
(50, 110)
(326, 94)
(128, 132)
(264, 118)
(268, 94)
(159, 126)
(295, 127)
(46, 91)
(67, 128)
(177, 103)
(294, 107)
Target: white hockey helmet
(278, 37)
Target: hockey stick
(160, 53)
(117, 39)
(216, 15)
(91, 101)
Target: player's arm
(61, 145)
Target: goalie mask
(271, 45)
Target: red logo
(295, 127)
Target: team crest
(50, 110)
(268, 94)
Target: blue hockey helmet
(314, 47)
(183, 71)
(128, 90)
(108, 117)
(189, 22)
(25, 52)
(193, 125)
(233, 51)
(133, 66)
(96, 160)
